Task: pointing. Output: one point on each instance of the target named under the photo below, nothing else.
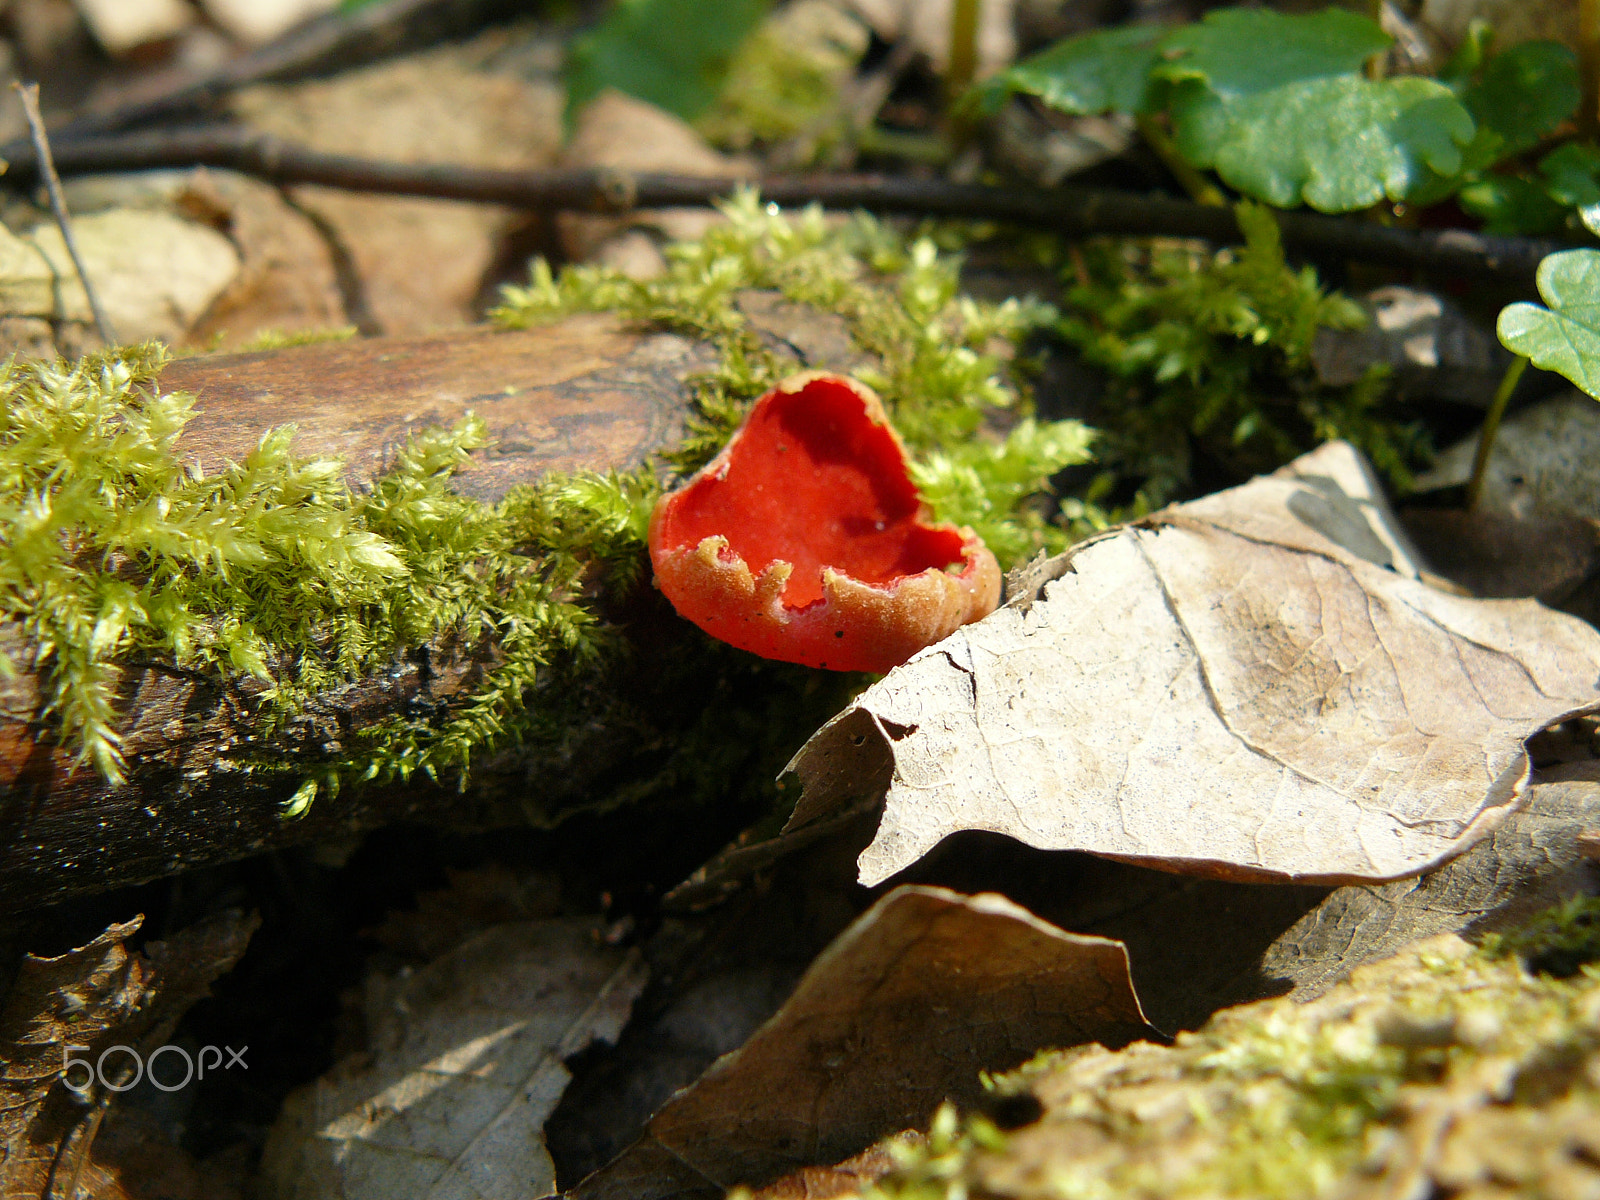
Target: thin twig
(58, 204)
(1073, 212)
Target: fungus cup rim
(852, 624)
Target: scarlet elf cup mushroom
(805, 540)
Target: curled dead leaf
(1254, 685)
(904, 1009)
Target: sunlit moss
(111, 548)
(786, 89)
(1558, 942)
(275, 339)
(273, 568)
(1280, 1099)
(935, 1167)
(939, 377)
(1213, 351)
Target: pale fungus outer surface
(805, 539)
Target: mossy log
(588, 392)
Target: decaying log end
(587, 392)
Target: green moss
(942, 385)
(935, 1167)
(274, 339)
(1211, 354)
(111, 548)
(1558, 942)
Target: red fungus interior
(813, 481)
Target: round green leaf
(1240, 52)
(1525, 93)
(1572, 174)
(1565, 337)
(1507, 204)
(1335, 144)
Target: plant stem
(1491, 426)
(928, 148)
(1200, 189)
(1589, 67)
(963, 47)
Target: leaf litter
(466, 1061)
(1254, 685)
(1444, 1070)
(905, 1008)
(115, 1007)
(1479, 882)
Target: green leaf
(1105, 71)
(1510, 205)
(1336, 144)
(1572, 175)
(1239, 52)
(673, 53)
(1565, 337)
(1523, 94)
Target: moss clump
(1210, 355)
(1342, 1095)
(939, 379)
(936, 1167)
(112, 548)
(1559, 942)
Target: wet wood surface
(588, 392)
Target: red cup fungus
(805, 540)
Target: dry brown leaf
(904, 1009)
(1430, 345)
(1545, 462)
(1533, 861)
(289, 279)
(92, 998)
(466, 1062)
(842, 1179)
(257, 22)
(1253, 685)
(476, 899)
(155, 273)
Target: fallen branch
(1074, 212)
